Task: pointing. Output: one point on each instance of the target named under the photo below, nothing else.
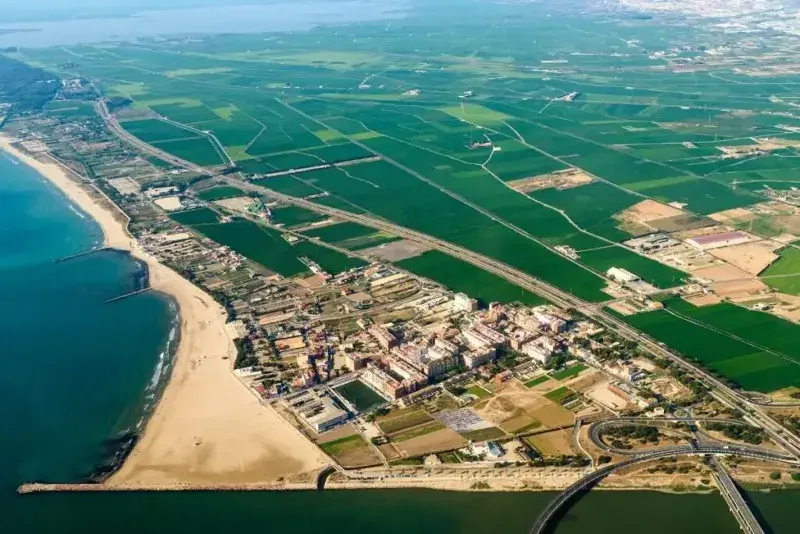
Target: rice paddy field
(351, 236)
(463, 277)
(264, 245)
(464, 135)
(220, 193)
(784, 274)
(290, 216)
(753, 349)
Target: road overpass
(596, 312)
(550, 512)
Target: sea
(78, 375)
(234, 17)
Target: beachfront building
(319, 412)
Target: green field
(154, 130)
(454, 117)
(220, 193)
(70, 108)
(784, 274)
(257, 243)
(460, 276)
(478, 391)
(752, 349)
(351, 236)
(198, 150)
(558, 395)
(336, 233)
(294, 216)
(343, 446)
(536, 381)
(398, 420)
(196, 216)
(569, 372)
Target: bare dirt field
(398, 420)
(749, 257)
(606, 397)
(722, 273)
(585, 380)
(732, 216)
(785, 395)
(441, 440)
(545, 386)
(531, 402)
(560, 180)
(358, 457)
(337, 433)
(788, 307)
(553, 443)
(389, 451)
(789, 224)
(552, 414)
(702, 299)
(648, 210)
(697, 232)
(235, 204)
(679, 223)
(623, 308)
(396, 250)
(497, 409)
(516, 424)
(739, 289)
(670, 388)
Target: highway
(755, 413)
(594, 477)
(736, 503)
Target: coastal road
(756, 414)
(596, 429)
(549, 513)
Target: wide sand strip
(207, 428)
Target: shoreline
(168, 454)
(206, 429)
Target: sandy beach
(208, 428)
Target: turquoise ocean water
(76, 372)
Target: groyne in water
(80, 254)
(38, 487)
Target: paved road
(596, 429)
(755, 413)
(544, 519)
(736, 503)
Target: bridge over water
(546, 516)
